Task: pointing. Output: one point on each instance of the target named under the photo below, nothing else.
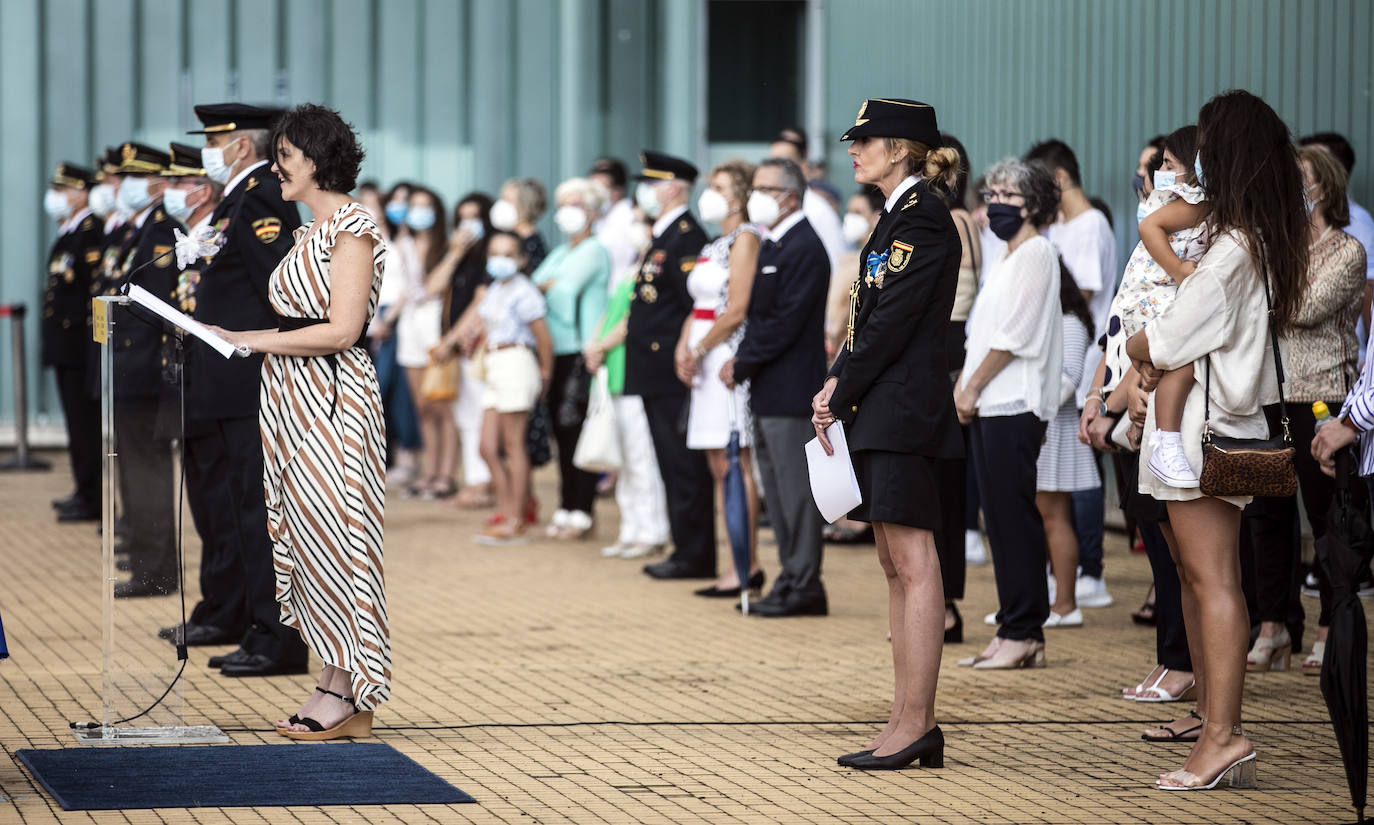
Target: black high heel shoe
(848, 759)
(954, 634)
(755, 583)
(929, 749)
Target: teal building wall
(462, 94)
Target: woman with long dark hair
(1220, 323)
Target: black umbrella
(1343, 552)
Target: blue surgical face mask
(420, 218)
(501, 267)
(1163, 179)
(1197, 170)
(396, 212)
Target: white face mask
(212, 159)
(175, 202)
(1163, 179)
(570, 219)
(712, 206)
(56, 205)
(502, 267)
(473, 227)
(855, 228)
(763, 209)
(647, 198)
(504, 215)
(133, 195)
(102, 200)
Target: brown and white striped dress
(323, 441)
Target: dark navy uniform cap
(142, 159)
(108, 163)
(658, 166)
(186, 162)
(231, 117)
(69, 174)
(892, 117)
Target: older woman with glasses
(1008, 392)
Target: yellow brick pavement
(559, 687)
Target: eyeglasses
(999, 195)
(780, 189)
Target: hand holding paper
(833, 483)
(181, 320)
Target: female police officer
(890, 387)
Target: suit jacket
(659, 307)
(783, 350)
(258, 229)
(72, 267)
(140, 338)
(893, 392)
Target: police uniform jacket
(783, 351)
(893, 391)
(140, 338)
(72, 268)
(258, 229)
(658, 308)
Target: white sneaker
(1074, 618)
(639, 551)
(614, 550)
(1091, 591)
(1309, 586)
(557, 523)
(975, 553)
(990, 620)
(1169, 463)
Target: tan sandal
(358, 725)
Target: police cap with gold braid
(69, 174)
(142, 159)
(892, 117)
(186, 162)
(658, 166)
(233, 117)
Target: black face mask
(1004, 220)
(1139, 185)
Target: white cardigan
(1017, 311)
(1218, 316)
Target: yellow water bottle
(1322, 414)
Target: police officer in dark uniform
(658, 308)
(66, 329)
(145, 257)
(223, 443)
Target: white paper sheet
(179, 319)
(833, 483)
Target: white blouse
(1017, 311)
(1219, 317)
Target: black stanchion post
(21, 460)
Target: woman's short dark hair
(325, 138)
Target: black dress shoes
(848, 759)
(236, 656)
(256, 664)
(793, 603)
(930, 749)
(77, 510)
(755, 583)
(676, 570)
(64, 503)
(138, 588)
(198, 635)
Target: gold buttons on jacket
(654, 346)
(854, 408)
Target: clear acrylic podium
(142, 699)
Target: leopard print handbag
(1249, 466)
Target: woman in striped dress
(322, 429)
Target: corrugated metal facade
(464, 93)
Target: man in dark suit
(223, 442)
(658, 308)
(66, 329)
(145, 257)
(782, 355)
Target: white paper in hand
(833, 483)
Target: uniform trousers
(82, 414)
(1089, 514)
(953, 476)
(1005, 449)
(238, 582)
(146, 490)
(639, 487)
(780, 452)
(688, 483)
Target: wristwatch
(1350, 424)
(1102, 408)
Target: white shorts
(417, 332)
(512, 380)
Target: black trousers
(1171, 638)
(1005, 449)
(688, 482)
(146, 489)
(1275, 559)
(82, 414)
(576, 488)
(240, 566)
(952, 475)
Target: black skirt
(897, 488)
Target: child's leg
(1170, 397)
(518, 461)
(491, 454)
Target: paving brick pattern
(559, 687)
